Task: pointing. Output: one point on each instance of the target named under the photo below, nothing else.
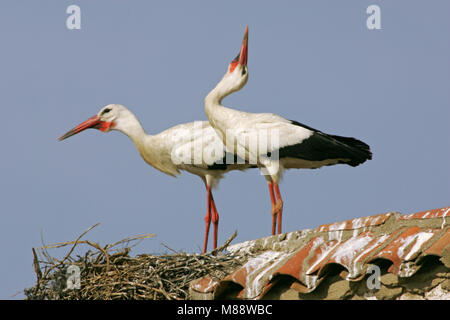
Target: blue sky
(311, 61)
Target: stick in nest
(119, 276)
(225, 245)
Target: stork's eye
(244, 70)
(106, 110)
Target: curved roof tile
(307, 256)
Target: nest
(108, 273)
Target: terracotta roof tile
(306, 257)
(442, 243)
(436, 213)
(204, 285)
(356, 223)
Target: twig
(71, 250)
(225, 245)
(173, 250)
(37, 270)
(119, 276)
(129, 239)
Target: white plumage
(193, 147)
(271, 141)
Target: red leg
(215, 220)
(207, 217)
(279, 205)
(274, 212)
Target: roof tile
(204, 285)
(352, 245)
(436, 213)
(356, 223)
(441, 244)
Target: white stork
(192, 147)
(280, 143)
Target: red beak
(244, 49)
(93, 122)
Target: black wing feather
(321, 146)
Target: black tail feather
(359, 150)
(321, 146)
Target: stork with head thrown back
(272, 142)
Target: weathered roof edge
(352, 243)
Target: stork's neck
(216, 95)
(131, 126)
(231, 82)
(152, 148)
(213, 101)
